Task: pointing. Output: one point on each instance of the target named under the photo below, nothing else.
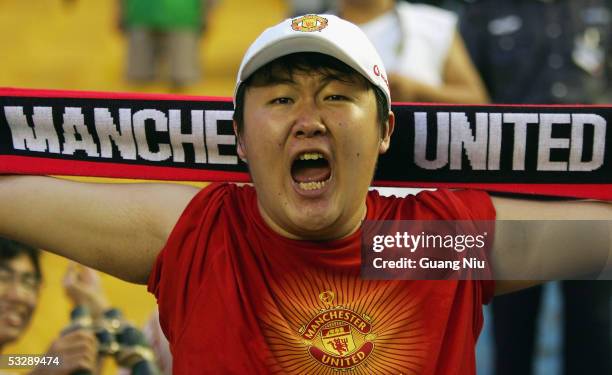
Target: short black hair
(12, 249)
(308, 62)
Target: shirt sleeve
(428, 34)
(177, 274)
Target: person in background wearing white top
(423, 53)
(421, 49)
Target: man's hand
(83, 287)
(76, 350)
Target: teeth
(13, 318)
(312, 185)
(311, 156)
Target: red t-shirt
(237, 298)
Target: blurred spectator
(542, 51)
(548, 52)
(159, 343)
(84, 288)
(422, 51)
(164, 34)
(20, 279)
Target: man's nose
(17, 292)
(309, 122)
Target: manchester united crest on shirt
(338, 337)
(328, 324)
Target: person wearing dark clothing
(539, 51)
(546, 52)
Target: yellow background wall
(61, 44)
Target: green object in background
(163, 14)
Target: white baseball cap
(324, 33)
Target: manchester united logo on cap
(309, 23)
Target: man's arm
(461, 81)
(549, 240)
(115, 228)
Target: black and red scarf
(563, 151)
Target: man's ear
(240, 149)
(385, 140)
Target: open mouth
(311, 171)
(12, 317)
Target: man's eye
(281, 100)
(31, 282)
(336, 97)
(5, 275)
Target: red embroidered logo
(309, 23)
(338, 337)
(378, 73)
